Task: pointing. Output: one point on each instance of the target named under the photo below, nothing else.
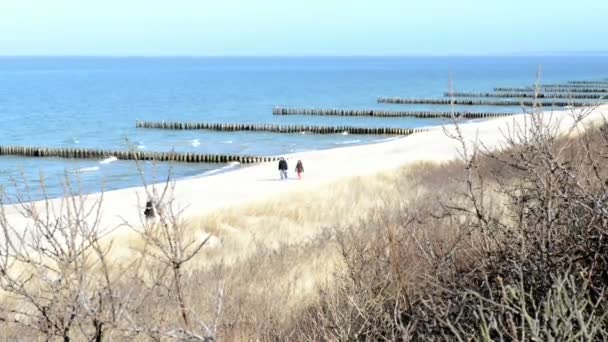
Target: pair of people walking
(283, 167)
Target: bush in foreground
(513, 247)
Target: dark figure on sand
(153, 206)
(299, 169)
(149, 211)
(283, 168)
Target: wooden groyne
(232, 127)
(574, 85)
(81, 153)
(553, 90)
(467, 102)
(589, 82)
(386, 114)
(529, 95)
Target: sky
(301, 28)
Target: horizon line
(522, 54)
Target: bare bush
(55, 278)
(512, 247)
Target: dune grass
(265, 261)
(497, 245)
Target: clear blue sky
(307, 27)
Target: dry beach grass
(373, 256)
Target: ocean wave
(386, 139)
(108, 160)
(88, 169)
(194, 142)
(226, 142)
(230, 165)
(347, 142)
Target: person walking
(283, 168)
(299, 169)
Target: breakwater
(80, 153)
(467, 102)
(233, 127)
(574, 85)
(530, 95)
(589, 82)
(552, 89)
(386, 114)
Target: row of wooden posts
(576, 85)
(552, 90)
(82, 153)
(530, 95)
(386, 114)
(470, 102)
(572, 87)
(233, 127)
(589, 82)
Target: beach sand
(198, 196)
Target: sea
(94, 102)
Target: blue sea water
(89, 102)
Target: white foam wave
(88, 169)
(230, 165)
(108, 160)
(226, 142)
(347, 142)
(194, 142)
(387, 139)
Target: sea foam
(88, 169)
(347, 142)
(108, 160)
(230, 165)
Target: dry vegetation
(512, 247)
(261, 264)
(497, 246)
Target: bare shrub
(512, 247)
(58, 281)
(55, 278)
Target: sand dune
(198, 196)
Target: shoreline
(200, 195)
(220, 169)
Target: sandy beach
(446, 177)
(198, 196)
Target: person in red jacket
(299, 169)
